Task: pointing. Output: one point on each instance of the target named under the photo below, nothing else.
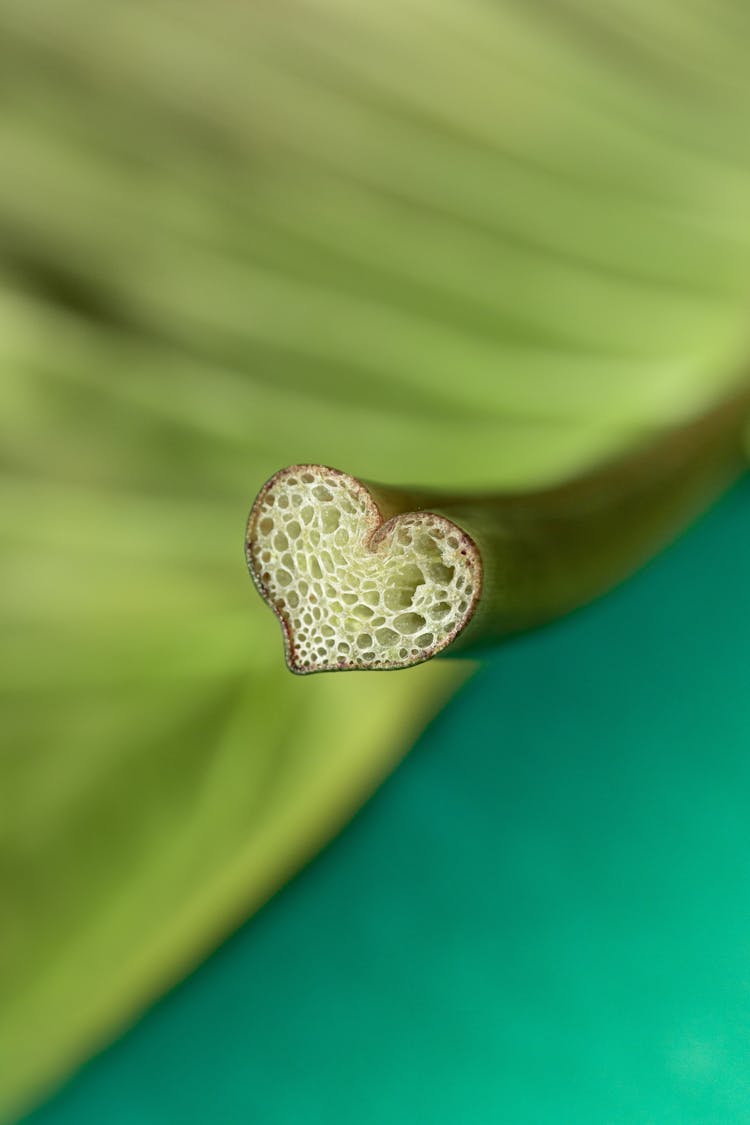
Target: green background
(543, 916)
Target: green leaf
(448, 243)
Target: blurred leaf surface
(448, 243)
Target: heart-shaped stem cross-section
(354, 586)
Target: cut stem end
(357, 583)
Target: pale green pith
(351, 591)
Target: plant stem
(531, 556)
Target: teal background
(543, 916)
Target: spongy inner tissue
(351, 593)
